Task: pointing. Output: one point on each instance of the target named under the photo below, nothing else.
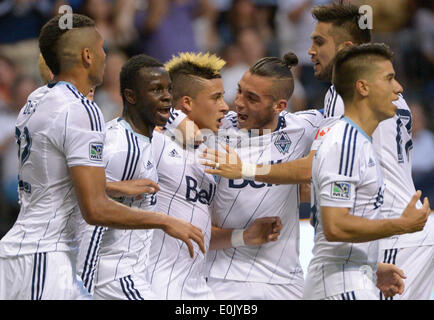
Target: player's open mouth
(164, 110)
(219, 122)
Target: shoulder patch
(341, 190)
(96, 151)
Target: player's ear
(362, 87)
(130, 96)
(86, 57)
(185, 104)
(280, 106)
(345, 44)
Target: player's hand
(415, 219)
(389, 279)
(186, 232)
(225, 163)
(262, 230)
(131, 188)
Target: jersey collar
(351, 122)
(127, 126)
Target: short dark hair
(345, 17)
(186, 67)
(129, 75)
(279, 69)
(50, 35)
(353, 62)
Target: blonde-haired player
(186, 190)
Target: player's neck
(138, 125)
(79, 80)
(271, 126)
(362, 117)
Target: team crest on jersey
(341, 190)
(95, 151)
(282, 142)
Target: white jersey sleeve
(175, 118)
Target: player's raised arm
(98, 209)
(292, 172)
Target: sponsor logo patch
(341, 190)
(95, 151)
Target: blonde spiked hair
(187, 68)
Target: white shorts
(418, 266)
(240, 290)
(41, 276)
(355, 295)
(330, 280)
(132, 287)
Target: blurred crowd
(240, 31)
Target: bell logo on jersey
(193, 195)
(282, 142)
(95, 151)
(341, 190)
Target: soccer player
(60, 136)
(186, 190)
(112, 262)
(270, 271)
(336, 28)
(348, 183)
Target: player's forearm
(356, 229)
(220, 238)
(110, 213)
(292, 172)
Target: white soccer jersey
(392, 141)
(58, 128)
(345, 174)
(186, 193)
(127, 156)
(239, 202)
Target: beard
(326, 73)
